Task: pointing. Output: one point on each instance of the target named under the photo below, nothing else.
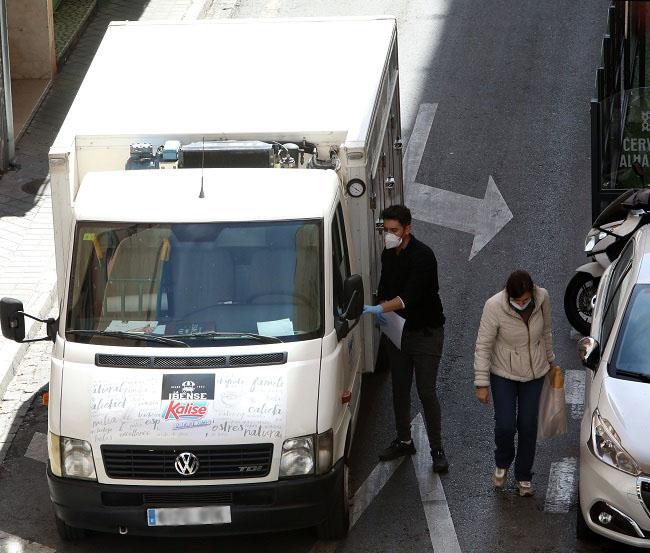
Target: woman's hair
(519, 282)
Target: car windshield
(632, 351)
(201, 283)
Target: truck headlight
(75, 458)
(297, 457)
(307, 455)
(605, 444)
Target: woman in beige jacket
(514, 351)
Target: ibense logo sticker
(186, 396)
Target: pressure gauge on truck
(356, 188)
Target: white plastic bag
(552, 406)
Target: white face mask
(391, 240)
(519, 307)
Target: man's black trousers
(420, 354)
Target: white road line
(434, 502)
(574, 391)
(37, 449)
(561, 486)
(13, 544)
(416, 145)
(377, 479)
(364, 496)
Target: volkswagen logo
(186, 463)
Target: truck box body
(230, 248)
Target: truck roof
(230, 195)
(207, 78)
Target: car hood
(625, 404)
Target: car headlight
(71, 458)
(605, 444)
(307, 455)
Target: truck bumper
(265, 507)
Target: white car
(615, 430)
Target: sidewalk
(27, 268)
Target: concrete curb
(12, 353)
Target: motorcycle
(610, 232)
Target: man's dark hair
(519, 282)
(399, 213)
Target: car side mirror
(12, 319)
(353, 297)
(589, 352)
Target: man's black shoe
(397, 449)
(440, 463)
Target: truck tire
(337, 523)
(577, 301)
(67, 532)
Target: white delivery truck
(216, 190)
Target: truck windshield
(202, 283)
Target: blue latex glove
(374, 309)
(377, 311)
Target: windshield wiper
(216, 334)
(632, 374)
(130, 335)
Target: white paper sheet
(147, 327)
(282, 327)
(393, 328)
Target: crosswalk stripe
(37, 448)
(574, 391)
(434, 501)
(560, 493)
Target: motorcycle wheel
(578, 299)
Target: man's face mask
(391, 240)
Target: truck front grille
(215, 462)
(218, 362)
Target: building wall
(31, 39)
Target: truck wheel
(578, 299)
(337, 524)
(583, 532)
(67, 532)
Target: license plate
(188, 516)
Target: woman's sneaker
(525, 488)
(499, 477)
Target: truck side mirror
(589, 352)
(353, 296)
(12, 319)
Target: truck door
(351, 344)
(387, 182)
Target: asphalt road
(512, 82)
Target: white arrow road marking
(37, 448)
(560, 493)
(13, 544)
(481, 217)
(434, 501)
(574, 391)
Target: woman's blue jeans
(516, 405)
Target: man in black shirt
(409, 287)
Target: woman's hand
(483, 394)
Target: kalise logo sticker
(186, 396)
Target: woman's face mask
(519, 307)
(391, 240)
